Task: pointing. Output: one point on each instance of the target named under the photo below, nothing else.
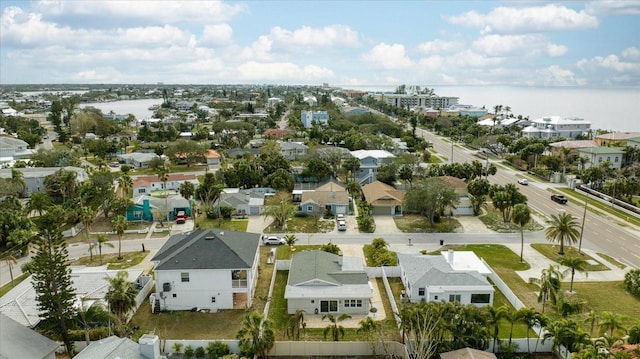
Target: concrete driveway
(385, 224)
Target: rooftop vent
(209, 238)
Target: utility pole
(584, 216)
(452, 149)
(486, 173)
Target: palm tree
(96, 313)
(11, 261)
(335, 329)
(567, 333)
(87, 216)
(563, 227)
(126, 184)
(39, 201)
(296, 322)
(370, 328)
(549, 283)
(121, 296)
(592, 319)
(575, 264)
(177, 347)
(521, 216)
(512, 316)
(291, 239)
(163, 176)
(119, 224)
(583, 162)
(256, 336)
(565, 154)
(533, 319)
(611, 321)
(101, 240)
(493, 316)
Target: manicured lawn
(612, 260)
(239, 225)
(129, 259)
(16, 280)
(551, 251)
(411, 223)
(493, 220)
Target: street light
(452, 149)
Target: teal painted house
(146, 208)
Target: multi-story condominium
(309, 118)
(556, 126)
(422, 101)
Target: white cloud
(554, 50)
(632, 53)
(326, 37)
(390, 57)
(440, 46)
(144, 12)
(555, 75)
(283, 71)
(216, 34)
(546, 18)
(609, 62)
(613, 7)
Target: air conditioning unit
(166, 287)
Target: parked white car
(273, 240)
(342, 226)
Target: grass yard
(239, 225)
(601, 207)
(128, 260)
(188, 325)
(612, 260)
(411, 223)
(307, 224)
(551, 251)
(493, 220)
(16, 280)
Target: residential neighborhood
(311, 214)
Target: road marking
(636, 255)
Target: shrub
(94, 333)
(632, 282)
(199, 352)
(330, 248)
(188, 351)
(378, 243)
(366, 224)
(217, 350)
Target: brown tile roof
(616, 136)
(380, 194)
(212, 154)
(456, 182)
(575, 144)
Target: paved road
(608, 235)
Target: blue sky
(343, 43)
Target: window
(142, 190)
(353, 303)
(609, 159)
(455, 297)
(309, 208)
(213, 299)
(184, 277)
(328, 306)
(435, 297)
(480, 298)
(421, 291)
(616, 161)
(175, 295)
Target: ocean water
(614, 109)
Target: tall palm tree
(256, 335)
(512, 316)
(336, 329)
(532, 318)
(121, 296)
(493, 316)
(563, 227)
(39, 201)
(163, 176)
(119, 224)
(549, 283)
(126, 184)
(611, 321)
(521, 215)
(101, 240)
(11, 261)
(575, 264)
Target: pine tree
(52, 279)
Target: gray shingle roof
(111, 348)
(435, 271)
(18, 341)
(319, 266)
(208, 249)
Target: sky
(351, 44)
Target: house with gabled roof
(148, 208)
(464, 206)
(320, 282)
(243, 202)
(207, 269)
(332, 197)
(385, 199)
(148, 184)
(18, 341)
(137, 159)
(450, 277)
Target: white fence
(504, 288)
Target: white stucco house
(450, 277)
(206, 269)
(321, 282)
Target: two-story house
(597, 155)
(370, 161)
(310, 118)
(207, 269)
